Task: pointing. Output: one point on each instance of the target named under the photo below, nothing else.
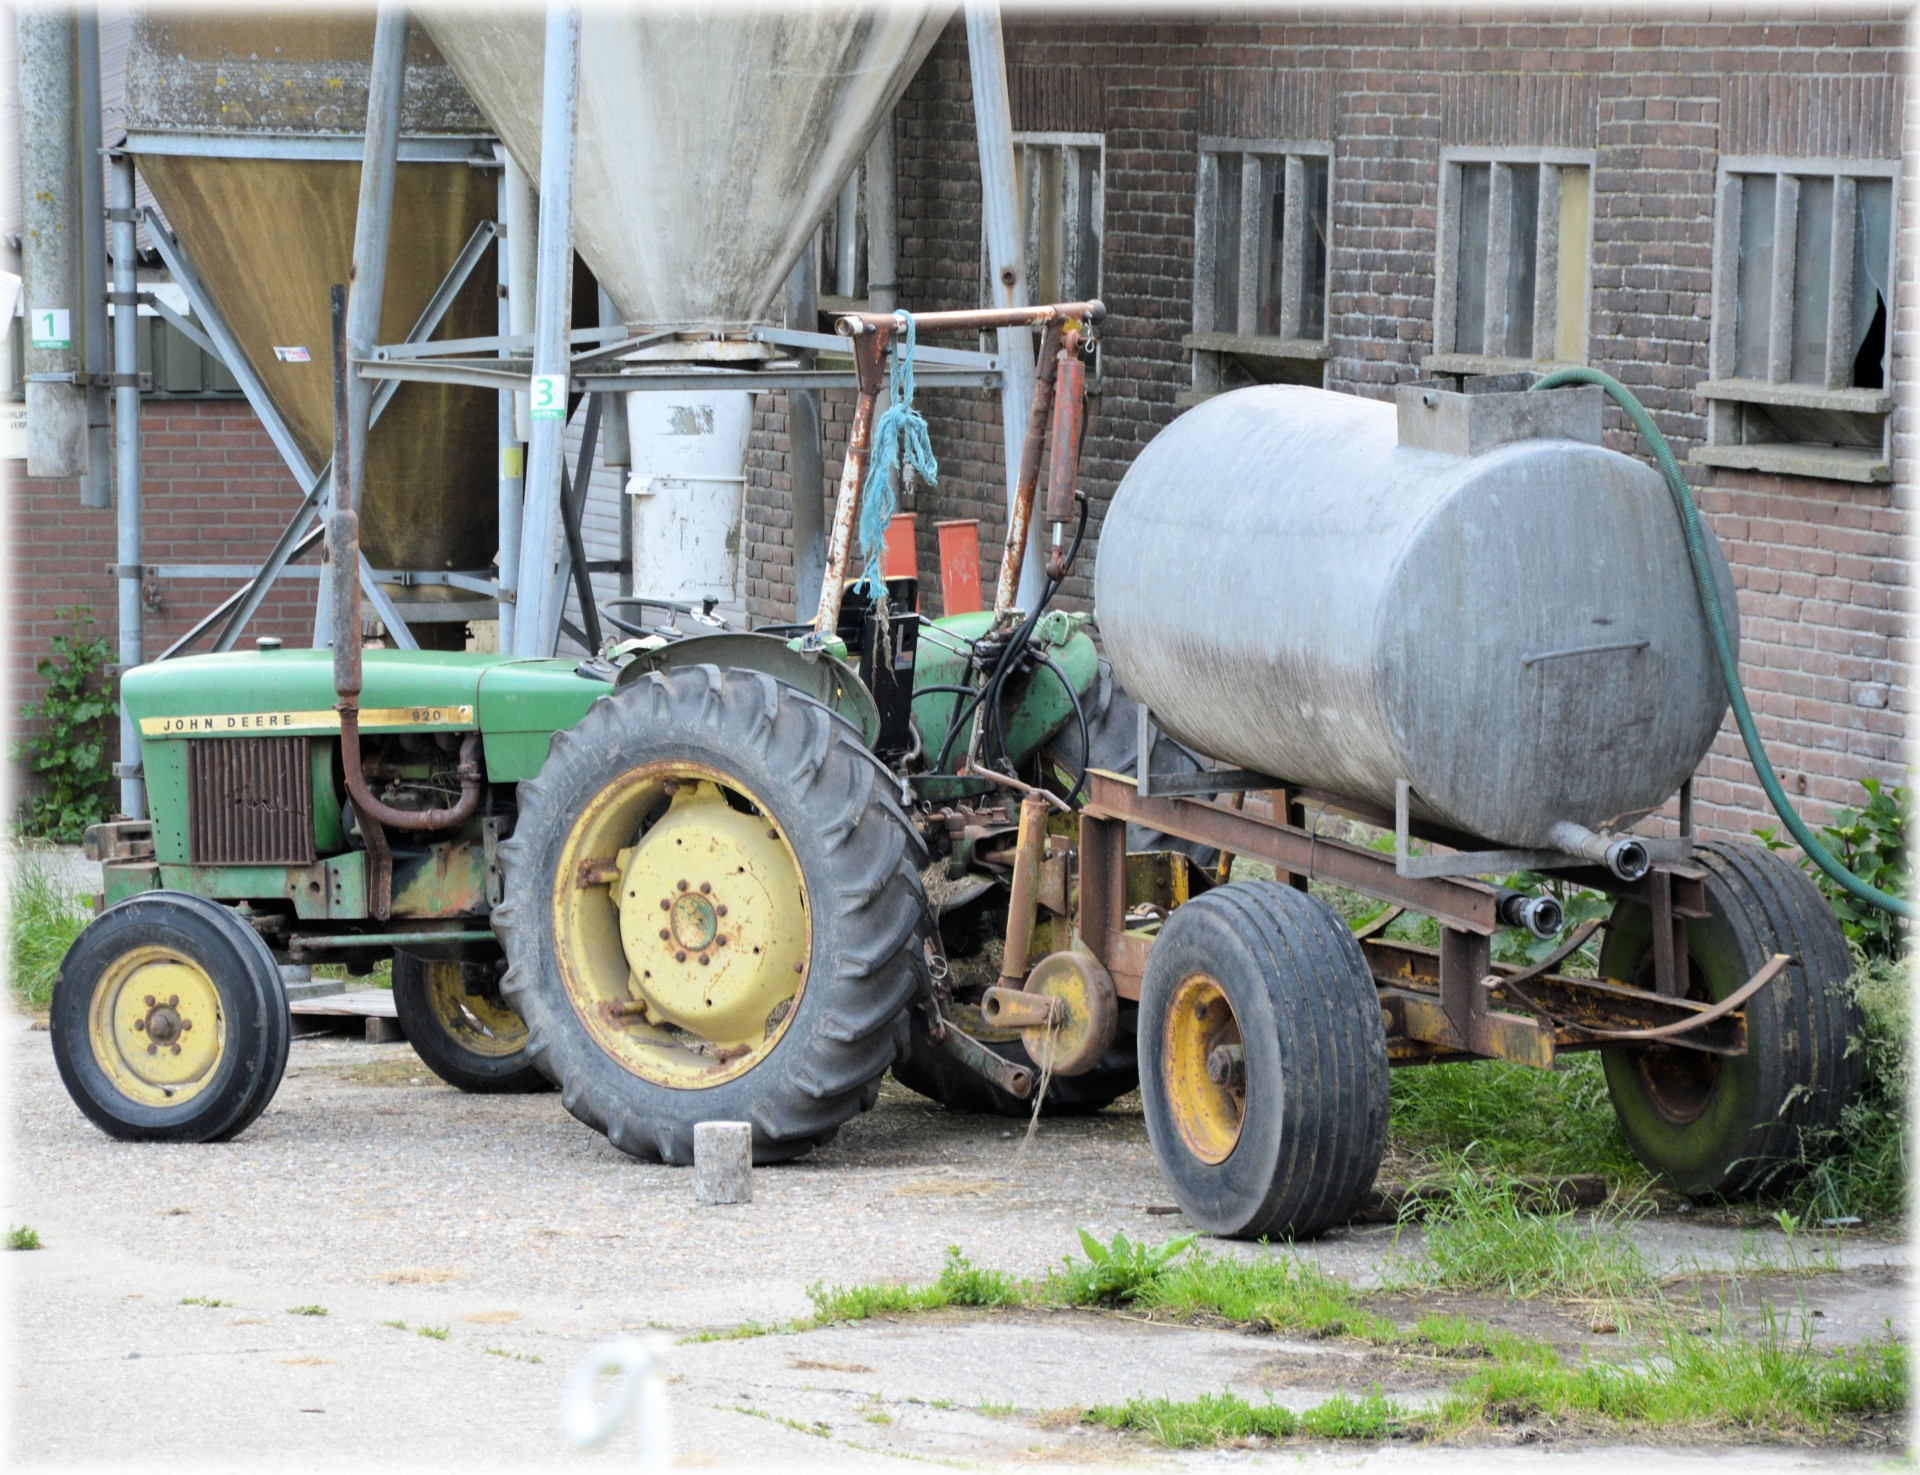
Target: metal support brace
(537, 630)
(373, 223)
(126, 414)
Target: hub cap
(1205, 1094)
(685, 932)
(155, 1026)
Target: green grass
(510, 1356)
(1514, 1118)
(437, 1333)
(306, 1311)
(1212, 1418)
(397, 1324)
(960, 1283)
(22, 1237)
(203, 1301)
(44, 916)
(1482, 1236)
(1278, 1292)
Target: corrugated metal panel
(249, 802)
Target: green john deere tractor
(687, 879)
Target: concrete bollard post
(722, 1163)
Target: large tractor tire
(453, 1016)
(938, 1076)
(1263, 1063)
(1731, 1126)
(169, 1021)
(712, 912)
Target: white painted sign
(52, 327)
(549, 396)
(13, 432)
(294, 355)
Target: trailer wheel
(939, 1077)
(461, 1029)
(1263, 1063)
(712, 912)
(169, 1022)
(1733, 1125)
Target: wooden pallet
(369, 1011)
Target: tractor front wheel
(169, 1021)
(713, 912)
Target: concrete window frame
(1275, 333)
(1062, 182)
(1556, 275)
(1776, 400)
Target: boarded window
(1261, 240)
(1512, 276)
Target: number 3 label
(549, 396)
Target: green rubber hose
(1707, 586)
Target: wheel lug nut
(705, 887)
(186, 1024)
(704, 960)
(666, 904)
(173, 1001)
(679, 957)
(719, 941)
(153, 1049)
(176, 1049)
(720, 911)
(798, 969)
(149, 1001)
(665, 934)
(680, 885)
(140, 1024)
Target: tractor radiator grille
(249, 802)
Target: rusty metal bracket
(1015, 1080)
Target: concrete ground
(521, 1239)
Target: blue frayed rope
(899, 439)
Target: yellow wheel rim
(479, 1024)
(683, 925)
(156, 1027)
(1203, 1069)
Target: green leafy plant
(306, 1311)
(1120, 1270)
(1577, 904)
(1870, 841)
(22, 1237)
(65, 752)
(44, 916)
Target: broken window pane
(1873, 222)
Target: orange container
(959, 565)
(902, 557)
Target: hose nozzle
(1540, 915)
(1624, 855)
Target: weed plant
(44, 916)
(960, 1283)
(22, 1237)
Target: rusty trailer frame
(1438, 1004)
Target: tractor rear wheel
(1263, 1063)
(454, 1018)
(712, 912)
(1733, 1125)
(169, 1021)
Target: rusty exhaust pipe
(343, 568)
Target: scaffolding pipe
(96, 481)
(49, 248)
(386, 88)
(126, 416)
(1000, 209)
(805, 461)
(883, 223)
(514, 219)
(538, 629)
(520, 219)
(846, 235)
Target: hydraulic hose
(1707, 587)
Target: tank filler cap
(268, 642)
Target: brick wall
(1821, 565)
(214, 490)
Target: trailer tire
(198, 1058)
(940, 1077)
(826, 897)
(463, 1033)
(1295, 1148)
(1730, 1127)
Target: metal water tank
(1463, 591)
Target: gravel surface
(371, 1189)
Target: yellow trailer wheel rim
(156, 1027)
(683, 925)
(1207, 1100)
(479, 1024)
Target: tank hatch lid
(1495, 412)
